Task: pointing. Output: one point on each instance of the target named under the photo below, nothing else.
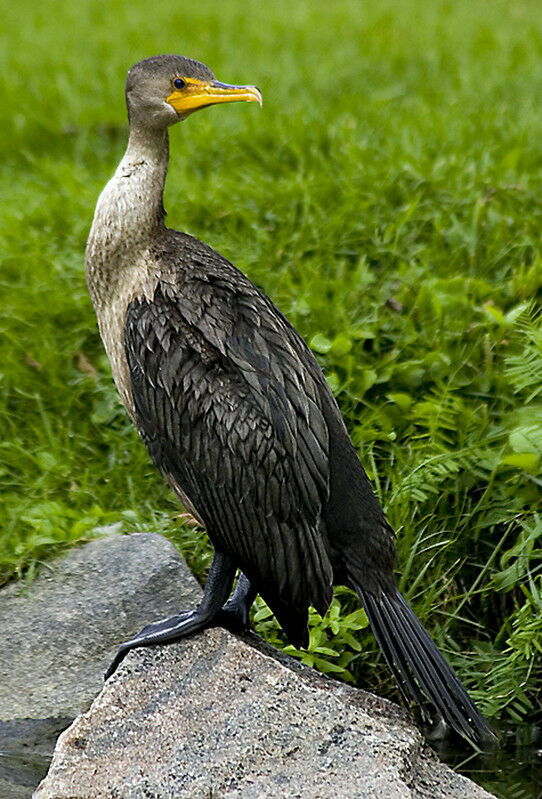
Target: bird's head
(165, 89)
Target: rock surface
(213, 716)
(58, 636)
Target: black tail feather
(387, 644)
(440, 684)
(418, 666)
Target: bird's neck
(120, 259)
(130, 209)
(139, 180)
(129, 218)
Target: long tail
(418, 666)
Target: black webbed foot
(158, 632)
(234, 616)
(215, 593)
(235, 613)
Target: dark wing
(230, 412)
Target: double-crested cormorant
(237, 415)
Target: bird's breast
(116, 277)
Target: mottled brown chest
(139, 280)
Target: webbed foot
(235, 613)
(215, 593)
(158, 632)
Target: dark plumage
(237, 415)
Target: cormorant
(237, 415)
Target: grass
(387, 198)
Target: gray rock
(213, 716)
(9, 790)
(26, 748)
(58, 636)
(62, 632)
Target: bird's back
(227, 399)
(225, 303)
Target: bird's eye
(179, 83)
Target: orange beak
(198, 94)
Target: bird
(238, 417)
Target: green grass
(387, 198)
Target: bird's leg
(234, 614)
(215, 593)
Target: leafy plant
(334, 639)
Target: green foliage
(387, 199)
(334, 639)
(512, 670)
